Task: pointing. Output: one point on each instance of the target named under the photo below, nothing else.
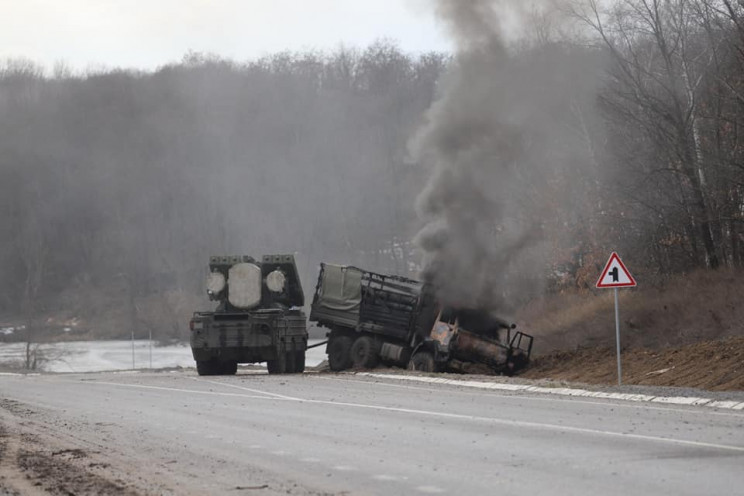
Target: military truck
(374, 317)
(258, 318)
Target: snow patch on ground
(673, 400)
(100, 356)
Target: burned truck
(258, 318)
(375, 318)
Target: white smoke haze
(503, 133)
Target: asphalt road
(346, 434)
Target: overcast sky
(148, 33)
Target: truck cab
(483, 339)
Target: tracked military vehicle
(258, 318)
(375, 317)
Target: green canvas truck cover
(341, 289)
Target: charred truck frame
(259, 317)
(374, 317)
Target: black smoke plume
(494, 139)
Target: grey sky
(148, 33)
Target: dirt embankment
(683, 331)
(714, 365)
(686, 309)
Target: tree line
(673, 102)
(116, 186)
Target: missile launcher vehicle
(258, 318)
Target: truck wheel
(516, 362)
(278, 366)
(364, 353)
(206, 367)
(423, 361)
(338, 353)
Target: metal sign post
(615, 275)
(617, 339)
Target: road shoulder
(669, 396)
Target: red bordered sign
(615, 274)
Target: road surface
(178, 433)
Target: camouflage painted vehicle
(259, 316)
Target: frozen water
(97, 356)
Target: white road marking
(341, 378)
(181, 390)
(734, 405)
(389, 478)
(572, 401)
(311, 460)
(674, 400)
(430, 489)
(344, 468)
(243, 388)
(458, 416)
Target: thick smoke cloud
(497, 135)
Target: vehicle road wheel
(279, 365)
(299, 361)
(338, 353)
(229, 368)
(364, 353)
(291, 359)
(206, 367)
(423, 361)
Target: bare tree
(658, 74)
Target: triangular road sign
(615, 275)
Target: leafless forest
(621, 128)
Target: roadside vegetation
(116, 185)
(670, 311)
(682, 330)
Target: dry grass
(685, 309)
(716, 365)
